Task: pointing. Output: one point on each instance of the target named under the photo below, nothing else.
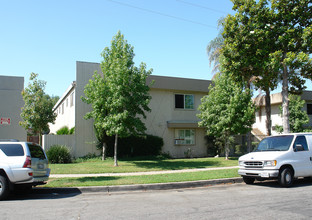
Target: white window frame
(181, 137)
(184, 101)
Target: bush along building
(173, 117)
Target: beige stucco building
(276, 118)
(11, 102)
(173, 117)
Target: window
(300, 140)
(12, 150)
(62, 108)
(36, 151)
(184, 101)
(184, 137)
(72, 99)
(67, 102)
(309, 109)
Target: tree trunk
(115, 151)
(268, 122)
(103, 151)
(248, 136)
(227, 150)
(40, 139)
(285, 101)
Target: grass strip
(130, 180)
(139, 165)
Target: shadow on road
(302, 182)
(45, 193)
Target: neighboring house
(11, 102)
(259, 128)
(173, 106)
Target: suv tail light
(27, 163)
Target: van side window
(300, 140)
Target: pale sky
(48, 37)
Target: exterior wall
(85, 138)
(11, 102)
(276, 102)
(163, 111)
(65, 110)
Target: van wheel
(248, 180)
(4, 187)
(286, 177)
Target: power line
(162, 14)
(201, 6)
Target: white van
(283, 157)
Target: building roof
(66, 93)
(277, 98)
(176, 83)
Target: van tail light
(27, 163)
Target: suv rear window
(12, 150)
(36, 151)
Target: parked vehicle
(283, 157)
(22, 164)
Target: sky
(48, 37)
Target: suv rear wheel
(4, 187)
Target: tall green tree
(270, 40)
(37, 111)
(247, 45)
(226, 110)
(126, 99)
(214, 47)
(292, 23)
(297, 117)
(96, 94)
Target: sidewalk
(139, 173)
(139, 187)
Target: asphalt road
(230, 201)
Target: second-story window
(309, 109)
(184, 101)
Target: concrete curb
(141, 187)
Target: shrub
(58, 154)
(72, 130)
(65, 131)
(148, 145)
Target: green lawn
(128, 180)
(138, 165)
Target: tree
(271, 41)
(247, 45)
(96, 94)
(297, 117)
(214, 47)
(226, 110)
(292, 27)
(120, 98)
(37, 111)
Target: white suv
(283, 157)
(21, 164)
